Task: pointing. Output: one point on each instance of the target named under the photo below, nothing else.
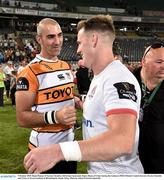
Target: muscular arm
(25, 116)
(118, 141)
(30, 119)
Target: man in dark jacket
(83, 80)
(151, 141)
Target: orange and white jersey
(52, 81)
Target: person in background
(83, 79)
(13, 87)
(2, 59)
(116, 53)
(7, 70)
(44, 97)
(150, 77)
(2, 86)
(22, 64)
(110, 110)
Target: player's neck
(54, 58)
(99, 67)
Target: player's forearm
(105, 147)
(30, 119)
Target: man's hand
(78, 102)
(41, 159)
(66, 115)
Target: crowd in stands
(19, 54)
(131, 49)
(72, 6)
(13, 57)
(10, 50)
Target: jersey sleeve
(27, 81)
(120, 97)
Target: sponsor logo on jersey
(126, 91)
(68, 75)
(91, 94)
(88, 123)
(59, 93)
(61, 76)
(22, 84)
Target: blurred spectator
(116, 53)
(2, 85)
(17, 55)
(1, 57)
(83, 80)
(7, 70)
(22, 64)
(5, 44)
(13, 87)
(151, 141)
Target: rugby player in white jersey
(110, 110)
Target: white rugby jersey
(114, 90)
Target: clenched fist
(66, 115)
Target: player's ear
(38, 39)
(94, 39)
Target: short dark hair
(98, 23)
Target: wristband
(71, 151)
(50, 117)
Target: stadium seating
(131, 49)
